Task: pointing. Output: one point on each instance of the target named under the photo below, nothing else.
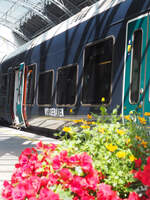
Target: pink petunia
(65, 174)
(133, 196)
(47, 194)
(18, 193)
(106, 193)
(138, 163)
(7, 190)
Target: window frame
(89, 45)
(131, 64)
(44, 72)
(67, 66)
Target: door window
(136, 67)
(30, 85)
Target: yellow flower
(89, 116)
(111, 147)
(144, 143)
(120, 132)
(101, 130)
(121, 154)
(142, 120)
(138, 138)
(132, 158)
(66, 129)
(127, 117)
(128, 141)
(78, 120)
(71, 111)
(147, 113)
(85, 127)
(103, 99)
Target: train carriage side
(83, 64)
(69, 74)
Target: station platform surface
(12, 143)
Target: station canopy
(29, 18)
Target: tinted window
(45, 88)
(66, 85)
(97, 72)
(136, 67)
(3, 84)
(30, 84)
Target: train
(100, 56)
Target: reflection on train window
(11, 86)
(136, 67)
(45, 88)
(97, 72)
(30, 78)
(3, 85)
(66, 85)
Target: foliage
(113, 143)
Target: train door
(18, 96)
(29, 89)
(135, 65)
(24, 86)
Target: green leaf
(64, 194)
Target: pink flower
(75, 198)
(23, 159)
(148, 192)
(16, 177)
(56, 162)
(65, 174)
(138, 163)
(64, 156)
(133, 196)
(53, 147)
(39, 145)
(79, 185)
(73, 160)
(46, 194)
(52, 179)
(86, 162)
(7, 191)
(18, 193)
(35, 181)
(27, 151)
(44, 181)
(105, 193)
(92, 179)
(148, 160)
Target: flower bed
(98, 161)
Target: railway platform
(12, 143)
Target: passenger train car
(103, 52)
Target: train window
(3, 85)
(66, 85)
(30, 78)
(45, 88)
(97, 72)
(136, 67)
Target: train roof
(85, 14)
